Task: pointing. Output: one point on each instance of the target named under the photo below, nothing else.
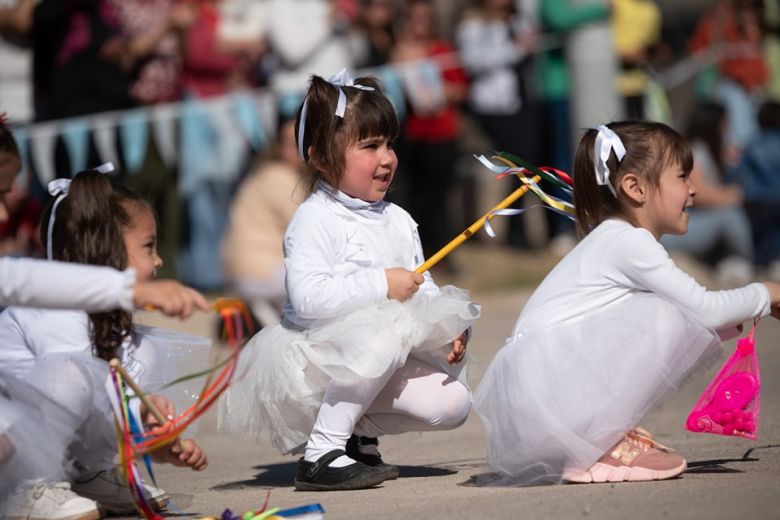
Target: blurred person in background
(80, 60)
(429, 143)
(373, 36)
(733, 30)
(637, 28)
(214, 153)
(16, 58)
(263, 206)
(306, 37)
(214, 64)
(759, 175)
(558, 19)
(18, 234)
(719, 231)
(495, 41)
(155, 28)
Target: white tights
(415, 397)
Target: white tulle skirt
(284, 371)
(558, 398)
(58, 409)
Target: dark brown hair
(7, 141)
(326, 137)
(650, 148)
(89, 229)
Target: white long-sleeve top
(336, 256)
(61, 285)
(29, 334)
(616, 260)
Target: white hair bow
(341, 79)
(59, 188)
(606, 141)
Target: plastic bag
(730, 404)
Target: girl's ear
(634, 187)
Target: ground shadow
(719, 465)
(282, 475)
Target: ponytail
(89, 228)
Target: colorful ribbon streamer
(135, 444)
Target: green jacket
(559, 16)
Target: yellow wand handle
(476, 226)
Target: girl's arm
(647, 265)
(63, 285)
(60, 285)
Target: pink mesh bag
(729, 405)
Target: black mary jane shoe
(369, 459)
(319, 476)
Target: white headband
(606, 141)
(59, 188)
(342, 79)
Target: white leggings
(416, 397)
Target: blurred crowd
(468, 76)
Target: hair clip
(606, 141)
(342, 79)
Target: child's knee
(458, 405)
(450, 408)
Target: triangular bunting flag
(43, 137)
(104, 135)
(164, 125)
(134, 135)
(75, 135)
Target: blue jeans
(710, 227)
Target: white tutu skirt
(58, 409)
(283, 371)
(162, 357)
(558, 398)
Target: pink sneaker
(637, 457)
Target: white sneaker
(108, 488)
(45, 501)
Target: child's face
(141, 243)
(9, 169)
(668, 204)
(369, 169)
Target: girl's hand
(170, 297)
(402, 284)
(163, 404)
(774, 298)
(186, 452)
(183, 452)
(458, 348)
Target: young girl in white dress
(367, 347)
(614, 328)
(35, 427)
(61, 354)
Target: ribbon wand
(476, 226)
(116, 365)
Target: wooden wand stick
(476, 226)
